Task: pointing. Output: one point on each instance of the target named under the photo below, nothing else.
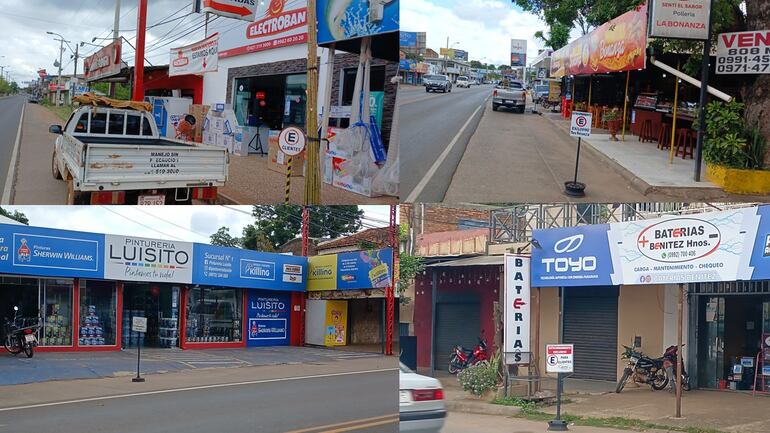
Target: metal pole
(577, 159)
(141, 30)
(390, 291)
(536, 353)
(673, 121)
(115, 36)
(138, 356)
(703, 97)
(58, 78)
(680, 326)
(625, 107)
(558, 424)
(206, 26)
(313, 177)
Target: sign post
(559, 358)
(292, 142)
(580, 126)
(138, 324)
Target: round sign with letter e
(291, 141)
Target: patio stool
(664, 138)
(645, 134)
(683, 140)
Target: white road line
(195, 388)
(6, 199)
(412, 197)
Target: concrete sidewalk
(647, 168)
(34, 182)
(48, 366)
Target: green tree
(122, 91)
(253, 239)
(282, 223)
(223, 238)
(15, 215)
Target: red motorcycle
(463, 358)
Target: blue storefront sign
(48, 252)
(760, 255)
(268, 318)
(571, 256)
(365, 269)
(405, 65)
(408, 39)
(340, 20)
(233, 267)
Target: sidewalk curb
(482, 408)
(641, 185)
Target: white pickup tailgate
(123, 167)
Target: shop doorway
(591, 324)
(271, 101)
(458, 321)
(729, 336)
(159, 303)
(19, 292)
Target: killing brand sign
(517, 310)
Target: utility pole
(115, 36)
(141, 30)
(305, 241)
(313, 177)
(390, 298)
(446, 56)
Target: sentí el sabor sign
(680, 19)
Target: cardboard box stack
(221, 129)
(199, 112)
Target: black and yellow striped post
(288, 181)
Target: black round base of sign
(137, 379)
(557, 425)
(574, 189)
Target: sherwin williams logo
(679, 240)
(23, 253)
(257, 270)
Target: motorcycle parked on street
(642, 369)
(462, 358)
(669, 364)
(20, 334)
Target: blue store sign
(407, 39)
(340, 20)
(233, 267)
(760, 256)
(47, 252)
(365, 269)
(268, 318)
(571, 256)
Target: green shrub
(728, 141)
(478, 379)
(756, 147)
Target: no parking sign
(580, 126)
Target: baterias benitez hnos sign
(615, 46)
(104, 63)
(197, 58)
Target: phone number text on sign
(743, 53)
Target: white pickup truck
(116, 156)
(509, 94)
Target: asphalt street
(361, 401)
(10, 114)
(434, 130)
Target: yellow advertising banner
(336, 323)
(449, 52)
(322, 273)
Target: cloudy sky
(27, 47)
(483, 28)
(188, 223)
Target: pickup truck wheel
(55, 168)
(522, 109)
(427, 90)
(495, 107)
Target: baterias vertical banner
(197, 58)
(517, 309)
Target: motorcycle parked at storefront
(462, 358)
(20, 334)
(669, 364)
(642, 369)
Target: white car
(463, 81)
(421, 402)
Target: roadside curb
(10, 180)
(481, 408)
(638, 183)
(224, 199)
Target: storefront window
(57, 313)
(295, 100)
(270, 101)
(214, 315)
(98, 320)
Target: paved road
(362, 401)
(429, 123)
(10, 114)
(465, 422)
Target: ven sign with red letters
(743, 52)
